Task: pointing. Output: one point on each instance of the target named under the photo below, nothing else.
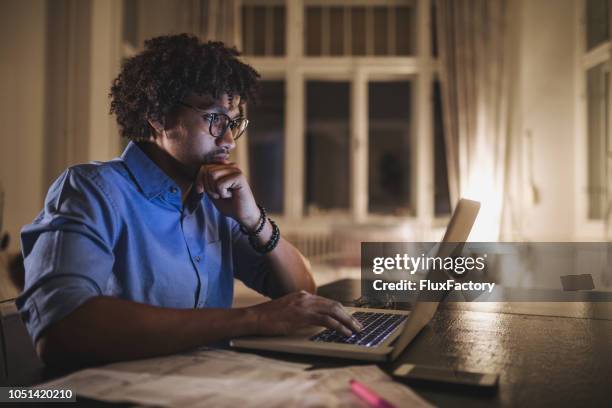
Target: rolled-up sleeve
(67, 250)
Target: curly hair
(153, 82)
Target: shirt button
(197, 259)
(173, 190)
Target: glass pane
(266, 139)
(278, 13)
(596, 22)
(259, 35)
(597, 117)
(247, 37)
(434, 31)
(327, 146)
(381, 28)
(358, 30)
(389, 146)
(313, 31)
(130, 22)
(441, 190)
(336, 31)
(405, 33)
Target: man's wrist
(251, 320)
(251, 222)
(254, 221)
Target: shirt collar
(150, 178)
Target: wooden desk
(544, 357)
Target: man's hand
(227, 186)
(297, 310)
(229, 191)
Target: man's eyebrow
(222, 109)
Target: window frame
(296, 68)
(585, 227)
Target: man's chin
(221, 159)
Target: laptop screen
(458, 231)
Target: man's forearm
(290, 268)
(106, 329)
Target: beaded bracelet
(260, 223)
(271, 244)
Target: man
(136, 257)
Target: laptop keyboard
(376, 328)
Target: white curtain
(219, 21)
(214, 20)
(476, 48)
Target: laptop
(386, 332)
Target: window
(360, 135)
(267, 146)
(597, 23)
(596, 110)
(593, 137)
(389, 147)
(359, 30)
(597, 125)
(441, 193)
(263, 30)
(327, 146)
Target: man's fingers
(217, 175)
(335, 310)
(212, 186)
(333, 324)
(218, 172)
(225, 184)
(216, 179)
(338, 313)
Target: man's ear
(158, 127)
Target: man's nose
(227, 140)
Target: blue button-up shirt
(120, 228)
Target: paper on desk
(206, 362)
(180, 391)
(332, 388)
(212, 377)
(204, 377)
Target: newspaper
(223, 378)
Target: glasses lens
(238, 127)
(218, 124)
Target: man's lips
(219, 158)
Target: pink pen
(370, 397)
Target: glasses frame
(210, 117)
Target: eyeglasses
(219, 123)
